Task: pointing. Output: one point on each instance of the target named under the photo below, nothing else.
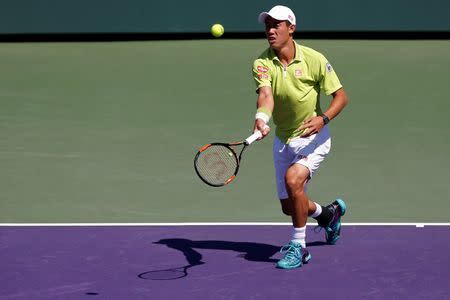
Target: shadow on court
(256, 252)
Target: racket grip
(254, 137)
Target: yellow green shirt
(296, 88)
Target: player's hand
(260, 125)
(311, 126)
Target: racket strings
(216, 164)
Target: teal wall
(149, 16)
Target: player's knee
(295, 181)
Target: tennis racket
(217, 164)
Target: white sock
(299, 235)
(318, 210)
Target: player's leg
(309, 153)
(297, 205)
(315, 210)
(328, 217)
(294, 256)
(283, 159)
(296, 177)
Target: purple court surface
(222, 262)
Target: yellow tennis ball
(217, 30)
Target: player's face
(278, 32)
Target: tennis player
(289, 78)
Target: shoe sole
(304, 262)
(343, 208)
(342, 205)
(291, 267)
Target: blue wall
(149, 16)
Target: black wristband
(326, 120)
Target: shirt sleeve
(261, 74)
(329, 82)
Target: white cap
(279, 12)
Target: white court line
(208, 224)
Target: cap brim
(262, 17)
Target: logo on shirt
(298, 72)
(262, 69)
(329, 68)
(263, 76)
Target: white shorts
(309, 152)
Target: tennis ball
(217, 30)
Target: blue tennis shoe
(333, 229)
(294, 256)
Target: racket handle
(254, 136)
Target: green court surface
(106, 132)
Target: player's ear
(291, 28)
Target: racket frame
(229, 147)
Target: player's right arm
(264, 106)
(265, 103)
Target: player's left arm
(339, 101)
(313, 125)
(330, 85)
